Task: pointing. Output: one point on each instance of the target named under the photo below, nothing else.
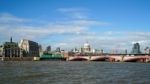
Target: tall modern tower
(48, 49)
(136, 49)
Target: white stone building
(30, 48)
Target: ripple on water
(61, 72)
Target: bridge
(78, 58)
(136, 58)
(110, 58)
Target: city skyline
(105, 24)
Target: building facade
(48, 49)
(30, 48)
(10, 49)
(136, 49)
(147, 50)
(58, 49)
(87, 48)
(1, 50)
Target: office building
(136, 49)
(30, 48)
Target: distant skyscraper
(40, 47)
(48, 49)
(126, 51)
(136, 49)
(58, 49)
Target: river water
(73, 72)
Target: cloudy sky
(105, 24)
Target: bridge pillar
(147, 60)
(111, 60)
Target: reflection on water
(61, 72)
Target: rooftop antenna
(11, 39)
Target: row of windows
(9, 46)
